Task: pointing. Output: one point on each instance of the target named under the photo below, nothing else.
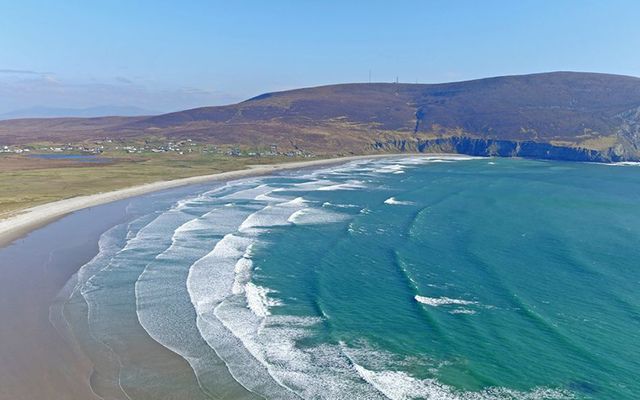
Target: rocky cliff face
(499, 148)
(628, 133)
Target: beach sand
(39, 357)
(35, 361)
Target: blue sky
(169, 55)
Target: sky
(169, 55)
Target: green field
(25, 183)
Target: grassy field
(26, 182)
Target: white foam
(398, 385)
(242, 271)
(442, 301)
(295, 216)
(313, 216)
(455, 157)
(163, 302)
(219, 278)
(391, 169)
(111, 317)
(298, 201)
(462, 311)
(108, 246)
(392, 201)
(436, 158)
(266, 197)
(271, 216)
(243, 365)
(258, 299)
(318, 372)
(211, 278)
(311, 185)
(625, 164)
(349, 185)
(271, 353)
(250, 193)
(261, 218)
(329, 204)
(222, 277)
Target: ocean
(423, 277)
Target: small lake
(87, 158)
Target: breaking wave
(392, 201)
(442, 301)
(189, 275)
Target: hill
(560, 115)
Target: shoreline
(30, 219)
(36, 360)
(41, 263)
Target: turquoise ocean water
(400, 278)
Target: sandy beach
(35, 360)
(17, 226)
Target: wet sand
(38, 358)
(35, 361)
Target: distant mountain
(559, 115)
(54, 112)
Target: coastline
(36, 361)
(33, 218)
(38, 266)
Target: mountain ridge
(592, 114)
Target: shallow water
(85, 158)
(415, 277)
